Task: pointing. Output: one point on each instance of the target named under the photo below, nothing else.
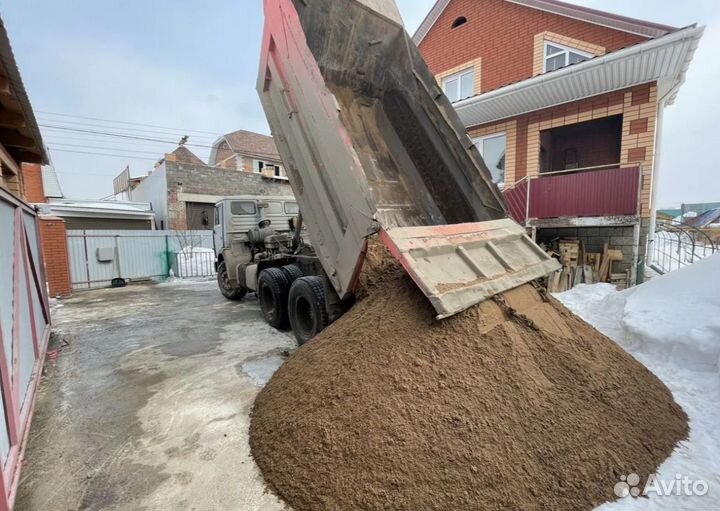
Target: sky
(166, 68)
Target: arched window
(459, 22)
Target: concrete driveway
(147, 406)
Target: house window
(259, 166)
(459, 22)
(492, 148)
(278, 171)
(558, 56)
(459, 85)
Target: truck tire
(292, 272)
(272, 292)
(229, 292)
(306, 306)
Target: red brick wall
(32, 181)
(502, 34)
(53, 237)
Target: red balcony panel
(610, 192)
(516, 200)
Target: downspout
(655, 175)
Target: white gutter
(665, 57)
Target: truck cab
(246, 228)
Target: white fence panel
(98, 257)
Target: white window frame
(479, 144)
(470, 71)
(566, 52)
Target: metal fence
(24, 334)
(97, 258)
(677, 246)
(193, 263)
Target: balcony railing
(589, 192)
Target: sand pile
(513, 404)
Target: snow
(195, 262)
(672, 326)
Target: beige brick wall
(539, 48)
(633, 144)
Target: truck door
(219, 230)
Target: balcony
(599, 193)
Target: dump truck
(372, 147)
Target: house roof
(665, 59)
(185, 155)
(605, 19)
(704, 219)
(20, 134)
(252, 144)
(672, 213)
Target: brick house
(249, 152)
(565, 104)
(182, 190)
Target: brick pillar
(32, 182)
(53, 237)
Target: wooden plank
(588, 274)
(577, 276)
(605, 265)
(615, 255)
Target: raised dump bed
(372, 145)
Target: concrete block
(621, 241)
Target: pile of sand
(513, 404)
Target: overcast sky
(191, 65)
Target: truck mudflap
(458, 266)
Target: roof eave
(36, 153)
(667, 57)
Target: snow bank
(672, 326)
(676, 316)
(679, 315)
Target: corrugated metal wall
(135, 255)
(24, 334)
(593, 193)
(586, 194)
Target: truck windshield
(242, 208)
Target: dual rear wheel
(287, 298)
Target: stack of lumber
(582, 267)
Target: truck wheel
(306, 305)
(226, 288)
(272, 291)
(292, 272)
